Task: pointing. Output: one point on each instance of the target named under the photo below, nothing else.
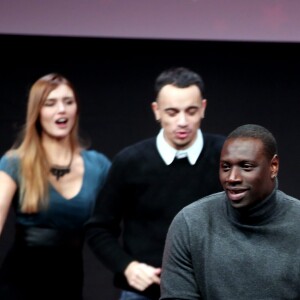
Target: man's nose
(234, 175)
(182, 120)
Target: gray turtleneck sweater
(215, 252)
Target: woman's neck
(58, 151)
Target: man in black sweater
(149, 182)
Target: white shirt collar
(168, 153)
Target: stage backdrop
(231, 20)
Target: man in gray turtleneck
(244, 242)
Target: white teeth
(61, 120)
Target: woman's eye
(69, 102)
(48, 103)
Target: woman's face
(59, 112)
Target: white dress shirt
(168, 153)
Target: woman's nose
(61, 106)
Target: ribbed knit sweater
(217, 252)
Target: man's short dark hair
(180, 77)
(257, 132)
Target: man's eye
(247, 167)
(192, 111)
(225, 167)
(171, 113)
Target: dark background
(246, 82)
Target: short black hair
(257, 132)
(180, 77)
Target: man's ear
(274, 166)
(154, 106)
(203, 107)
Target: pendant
(59, 171)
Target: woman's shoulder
(10, 164)
(95, 156)
(10, 158)
(97, 164)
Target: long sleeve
(178, 279)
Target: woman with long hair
(52, 182)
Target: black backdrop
(246, 82)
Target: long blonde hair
(34, 167)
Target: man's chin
(182, 144)
(239, 204)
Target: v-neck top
(62, 213)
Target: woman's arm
(7, 190)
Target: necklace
(60, 171)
